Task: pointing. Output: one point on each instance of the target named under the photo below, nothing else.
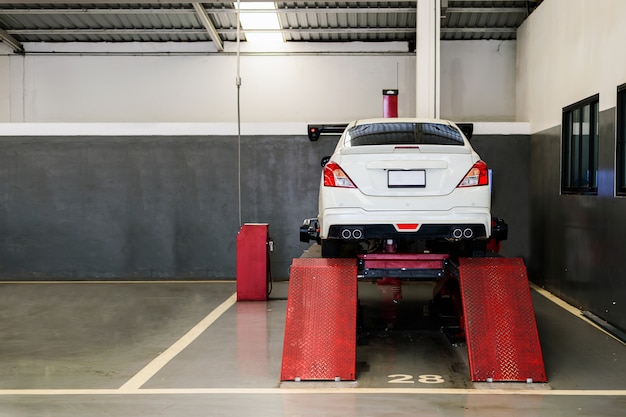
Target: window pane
(584, 147)
(621, 142)
(580, 147)
(575, 149)
(566, 143)
(594, 146)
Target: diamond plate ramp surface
(320, 329)
(501, 331)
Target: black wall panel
(162, 207)
(509, 159)
(577, 241)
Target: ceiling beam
(9, 40)
(172, 2)
(97, 11)
(327, 30)
(483, 1)
(106, 32)
(174, 31)
(7, 36)
(202, 15)
(517, 10)
(326, 10)
(221, 10)
(479, 30)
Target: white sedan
(413, 181)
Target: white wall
(478, 80)
(477, 84)
(568, 50)
(62, 88)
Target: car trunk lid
(401, 170)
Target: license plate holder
(414, 178)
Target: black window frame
(579, 152)
(620, 145)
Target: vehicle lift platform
(490, 295)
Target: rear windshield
(403, 133)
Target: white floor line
(576, 312)
(160, 361)
(193, 281)
(312, 391)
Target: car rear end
(404, 179)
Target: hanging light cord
(238, 83)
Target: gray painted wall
(577, 241)
(163, 207)
(149, 207)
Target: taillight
(477, 175)
(335, 177)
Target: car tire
(330, 248)
(474, 249)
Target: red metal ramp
(501, 331)
(320, 330)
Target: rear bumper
(355, 224)
(388, 231)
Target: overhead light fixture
(258, 21)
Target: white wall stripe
(150, 129)
(203, 129)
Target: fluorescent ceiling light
(252, 18)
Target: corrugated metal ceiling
(301, 21)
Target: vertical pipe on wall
(437, 63)
(238, 83)
(428, 30)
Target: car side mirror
(325, 161)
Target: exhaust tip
(457, 233)
(468, 233)
(352, 234)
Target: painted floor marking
(312, 391)
(571, 309)
(160, 361)
(133, 386)
(194, 281)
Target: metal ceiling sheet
(302, 21)
(115, 22)
(349, 21)
(484, 20)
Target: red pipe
(390, 103)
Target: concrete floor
(189, 349)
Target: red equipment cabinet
(390, 103)
(253, 262)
